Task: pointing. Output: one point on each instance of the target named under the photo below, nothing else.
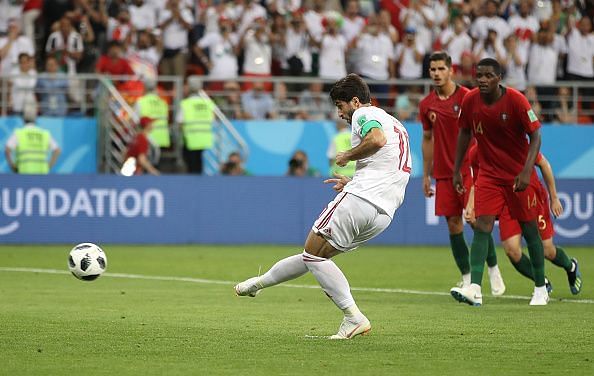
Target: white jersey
(382, 177)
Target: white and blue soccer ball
(87, 261)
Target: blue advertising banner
(77, 137)
(569, 148)
(220, 210)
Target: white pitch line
(232, 283)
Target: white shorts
(349, 221)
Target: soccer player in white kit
(363, 208)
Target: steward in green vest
(342, 142)
(195, 117)
(152, 106)
(31, 145)
(198, 115)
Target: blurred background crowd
(240, 46)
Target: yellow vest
(151, 105)
(197, 123)
(342, 141)
(32, 148)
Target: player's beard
(349, 115)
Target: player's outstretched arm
(461, 147)
(549, 178)
(522, 180)
(371, 143)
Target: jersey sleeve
(365, 121)
(427, 126)
(525, 114)
(538, 158)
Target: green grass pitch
(193, 324)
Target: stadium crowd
(538, 43)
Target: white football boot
(250, 287)
(540, 296)
(470, 295)
(351, 327)
(496, 281)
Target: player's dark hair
(349, 87)
(441, 56)
(490, 62)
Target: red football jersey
(441, 116)
(474, 162)
(140, 145)
(500, 130)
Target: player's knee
(455, 225)
(512, 252)
(484, 224)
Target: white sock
(493, 269)
(352, 312)
(284, 270)
(331, 278)
(466, 279)
(542, 290)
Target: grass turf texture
(55, 324)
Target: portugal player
(510, 231)
(439, 113)
(500, 118)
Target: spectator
(352, 25)
(315, 104)
(420, 16)
(31, 145)
(234, 165)
(313, 19)
(491, 46)
(455, 40)
(139, 154)
(515, 63)
(333, 47)
(66, 45)
(23, 84)
(11, 10)
(195, 117)
(489, 21)
(258, 104)
(145, 56)
(376, 58)
(12, 46)
(257, 52)
(143, 15)
(120, 29)
(386, 27)
(580, 54)
(409, 56)
(31, 12)
(212, 16)
(230, 103)
(406, 104)
(248, 14)
(525, 26)
(223, 48)
(96, 10)
(298, 58)
(175, 22)
(112, 62)
(543, 76)
(564, 110)
(299, 165)
(53, 89)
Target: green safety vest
(197, 123)
(342, 141)
(33, 145)
(153, 106)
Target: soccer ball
(87, 261)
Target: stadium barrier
(220, 210)
(569, 148)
